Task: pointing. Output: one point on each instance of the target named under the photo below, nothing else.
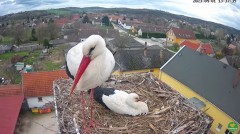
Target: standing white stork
(120, 101)
(90, 64)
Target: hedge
(155, 35)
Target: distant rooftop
(134, 59)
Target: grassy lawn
(7, 40)
(29, 60)
(175, 49)
(7, 56)
(49, 65)
(32, 57)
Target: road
(150, 42)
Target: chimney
(236, 79)
(145, 49)
(201, 50)
(145, 44)
(161, 55)
(145, 52)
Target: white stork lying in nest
(120, 102)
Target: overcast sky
(223, 13)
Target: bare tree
(206, 32)
(10, 73)
(41, 33)
(219, 34)
(52, 30)
(18, 34)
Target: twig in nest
(113, 128)
(177, 130)
(152, 127)
(162, 110)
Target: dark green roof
(208, 77)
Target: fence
(28, 48)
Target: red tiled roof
(75, 16)
(190, 44)
(182, 33)
(207, 49)
(10, 90)
(231, 46)
(62, 21)
(9, 111)
(40, 83)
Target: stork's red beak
(82, 67)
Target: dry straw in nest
(169, 112)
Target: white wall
(33, 101)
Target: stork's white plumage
(90, 64)
(101, 62)
(120, 101)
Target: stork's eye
(91, 49)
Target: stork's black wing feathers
(99, 92)
(68, 72)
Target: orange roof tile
(190, 44)
(40, 83)
(207, 48)
(10, 90)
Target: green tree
(176, 46)
(18, 34)
(33, 35)
(46, 43)
(106, 21)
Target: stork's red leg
(85, 129)
(91, 122)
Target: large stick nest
(169, 112)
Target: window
(40, 99)
(219, 127)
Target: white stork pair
(90, 64)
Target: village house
(61, 21)
(123, 42)
(205, 48)
(141, 59)
(37, 86)
(209, 84)
(128, 24)
(176, 35)
(83, 34)
(145, 29)
(234, 48)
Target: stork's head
(134, 97)
(93, 46)
(140, 106)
